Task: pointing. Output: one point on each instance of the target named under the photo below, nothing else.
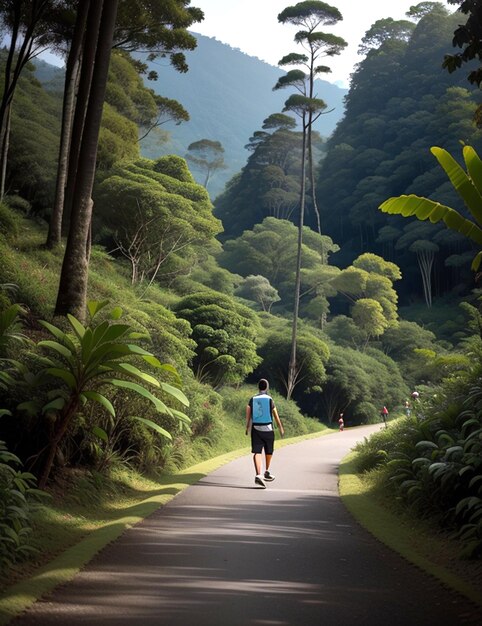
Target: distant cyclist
(260, 412)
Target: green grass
(416, 540)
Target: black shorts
(262, 439)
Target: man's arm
(278, 421)
(248, 418)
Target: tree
(308, 108)
(173, 222)
(225, 333)
(258, 289)
(207, 156)
(370, 278)
(383, 30)
(368, 315)
(313, 353)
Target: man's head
(263, 385)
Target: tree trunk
(292, 369)
(14, 65)
(72, 295)
(4, 152)
(88, 61)
(72, 76)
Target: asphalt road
(224, 553)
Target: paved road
(224, 553)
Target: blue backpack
(261, 412)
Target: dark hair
(263, 385)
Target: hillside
(228, 94)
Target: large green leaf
(94, 306)
(99, 332)
(87, 344)
(154, 426)
(182, 416)
(57, 347)
(174, 391)
(132, 370)
(56, 405)
(125, 384)
(76, 325)
(461, 182)
(100, 432)
(473, 164)
(98, 397)
(423, 208)
(116, 331)
(64, 375)
(58, 334)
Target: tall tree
(309, 14)
(72, 294)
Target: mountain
(228, 94)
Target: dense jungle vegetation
(135, 316)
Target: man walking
(260, 412)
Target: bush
(17, 493)
(18, 204)
(9, 222)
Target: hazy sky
(252, 26)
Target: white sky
(252, 26)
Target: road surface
(224, 553)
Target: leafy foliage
(224, 332)
(88, 359)
(17, 494)
(381, 149)
(174, 220)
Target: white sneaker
(259, 481)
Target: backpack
(261, 409)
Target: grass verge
(415, 540)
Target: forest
(137, 312)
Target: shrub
(17, 493)
(9, 222)
(18, 204)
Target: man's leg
(257, 463)
(268, 461)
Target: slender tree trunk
(88, 55)
(16, 61)
(4, 152)
(72, 76)
(72, 295)
(425, 263)
(311, 167)
(292, 368)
